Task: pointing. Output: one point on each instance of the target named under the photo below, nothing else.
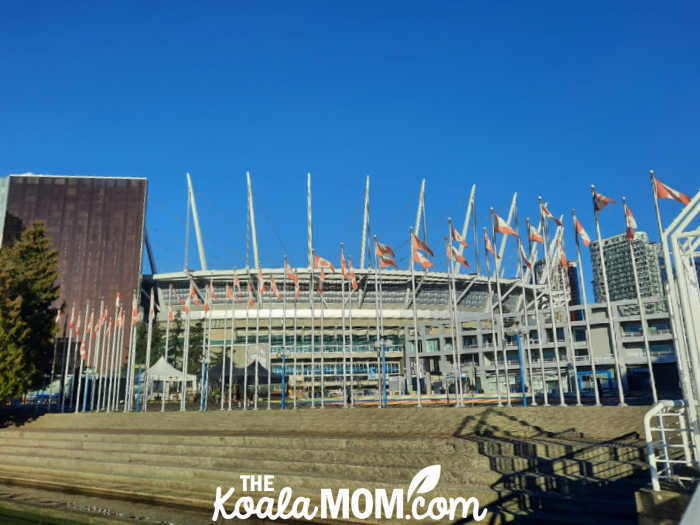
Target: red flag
(297, 291)
(454, 254)
(186, 303)
(193, 293)
(90, 322)
(261, 283)
(229, 291)
(152, 309)
(134, 311)
(58, 316)
(109, 328)
(207, 299)
(417, 244)
(171, 316)
(549, 215)
(600, 201)
(535, 235)
(522, 254)
(236, 285)
(456, 237)
(83, 351)
(322, 263)
(273, 285)
(103, 318)
(387, 261)
(421, 259)
(72, 318)
(251, 299)
(562, 256)
(581, 232)
(343, 266)
(382, 249)
(666, 192)
(292, 275)
(116, 302)
(489, 246)
(355, 286)
(502, 226)
(120, 319)
(77, 326)
(211, 289)
(631, 223)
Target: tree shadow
(17, 416)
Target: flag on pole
(382, 249)
(109, 329)
(666, 192)
(211, 289)
(417, 244)
(116, 301)
(421, 259)
(83, 351)
(251, 299)
(120, 319)
(72, 318)
(452, 253)
(171, 316)
(581, 232)
(630, 223)
(320, 262)
(549, 215)
(352, 275)
(276, 291)
(236, 286)
(186, 304)
(103, 318)
(456, 237)
(522, 254)
(207, 299)
(152, 309)
(562, 256)
(58, 316)
(77, 326)
(193, 293)
(502, 226)
(90, 322)
(343, 266)
(387, 261)
(600, 201)
(261, 283)
(535, 234)
(134, 311)
(488, 246)
(291, 274)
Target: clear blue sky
(538, 98)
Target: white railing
(669, 443)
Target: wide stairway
(527, 465)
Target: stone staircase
(526, 465)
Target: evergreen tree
(28, 273)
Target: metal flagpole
(132, 352)
(642, 310)
(112, 363)
(233, 341)
(538, 320)
(493, 323)
(67, 353)
(611, 320)
(555, 336)
(100, 359)
(109, 343)
(501, 335)
(223, 368)
(82, 358)
(90, 338)
(120, 346)
(207, 360)
(167, 341)
(323, 348)
(415, 320)
(313, 335)
(257, 343)
(342, 302)
(586, 315)
(284, 322)
(378, 314)
(527, 321)
(185, 354)
(99, 328)
(352, 363)
(149, 338)
(456, 356)
(568, 322)
(103, 364)
(245, 357)
(269, 353)
(381, 349)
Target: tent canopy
(164, 371)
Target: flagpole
(208, 314)
(113, 360)
(352, 364)
(185, 354)
(673, 301)
(97, 336)
(245, 360)
(526, 317)
(342, 302)
(456, 356)
(269, 353)
(101, 361)
(493, 323)
(149, 340)
(642, 310)
(568, 324)
(586, 314)
(323, 349)
(415, 320)
(223, 367)
(284, 321)
(109, 352)
(233, 341)
(132, 351)
(537, 316)
(165, 352)
(90, 337)
(555, 335)
(120, 358)
(257, 344)
(611, 321)
(68, 352)
(313, 335)
(502, 335)
(378, 317)
(82, 359)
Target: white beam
(195, 220)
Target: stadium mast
(251, 213)
(195, 219)
(365, 225)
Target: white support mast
(308, 207)
(251, 211)
(365, 225)
(465, 228)
(195, 220)
(420, 211)
(504, 238)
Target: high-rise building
(618, 266)
(96, 224)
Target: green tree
(28, 273)
(157, 342)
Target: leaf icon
(424, 481)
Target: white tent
(163, 371)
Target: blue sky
(538, 98)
